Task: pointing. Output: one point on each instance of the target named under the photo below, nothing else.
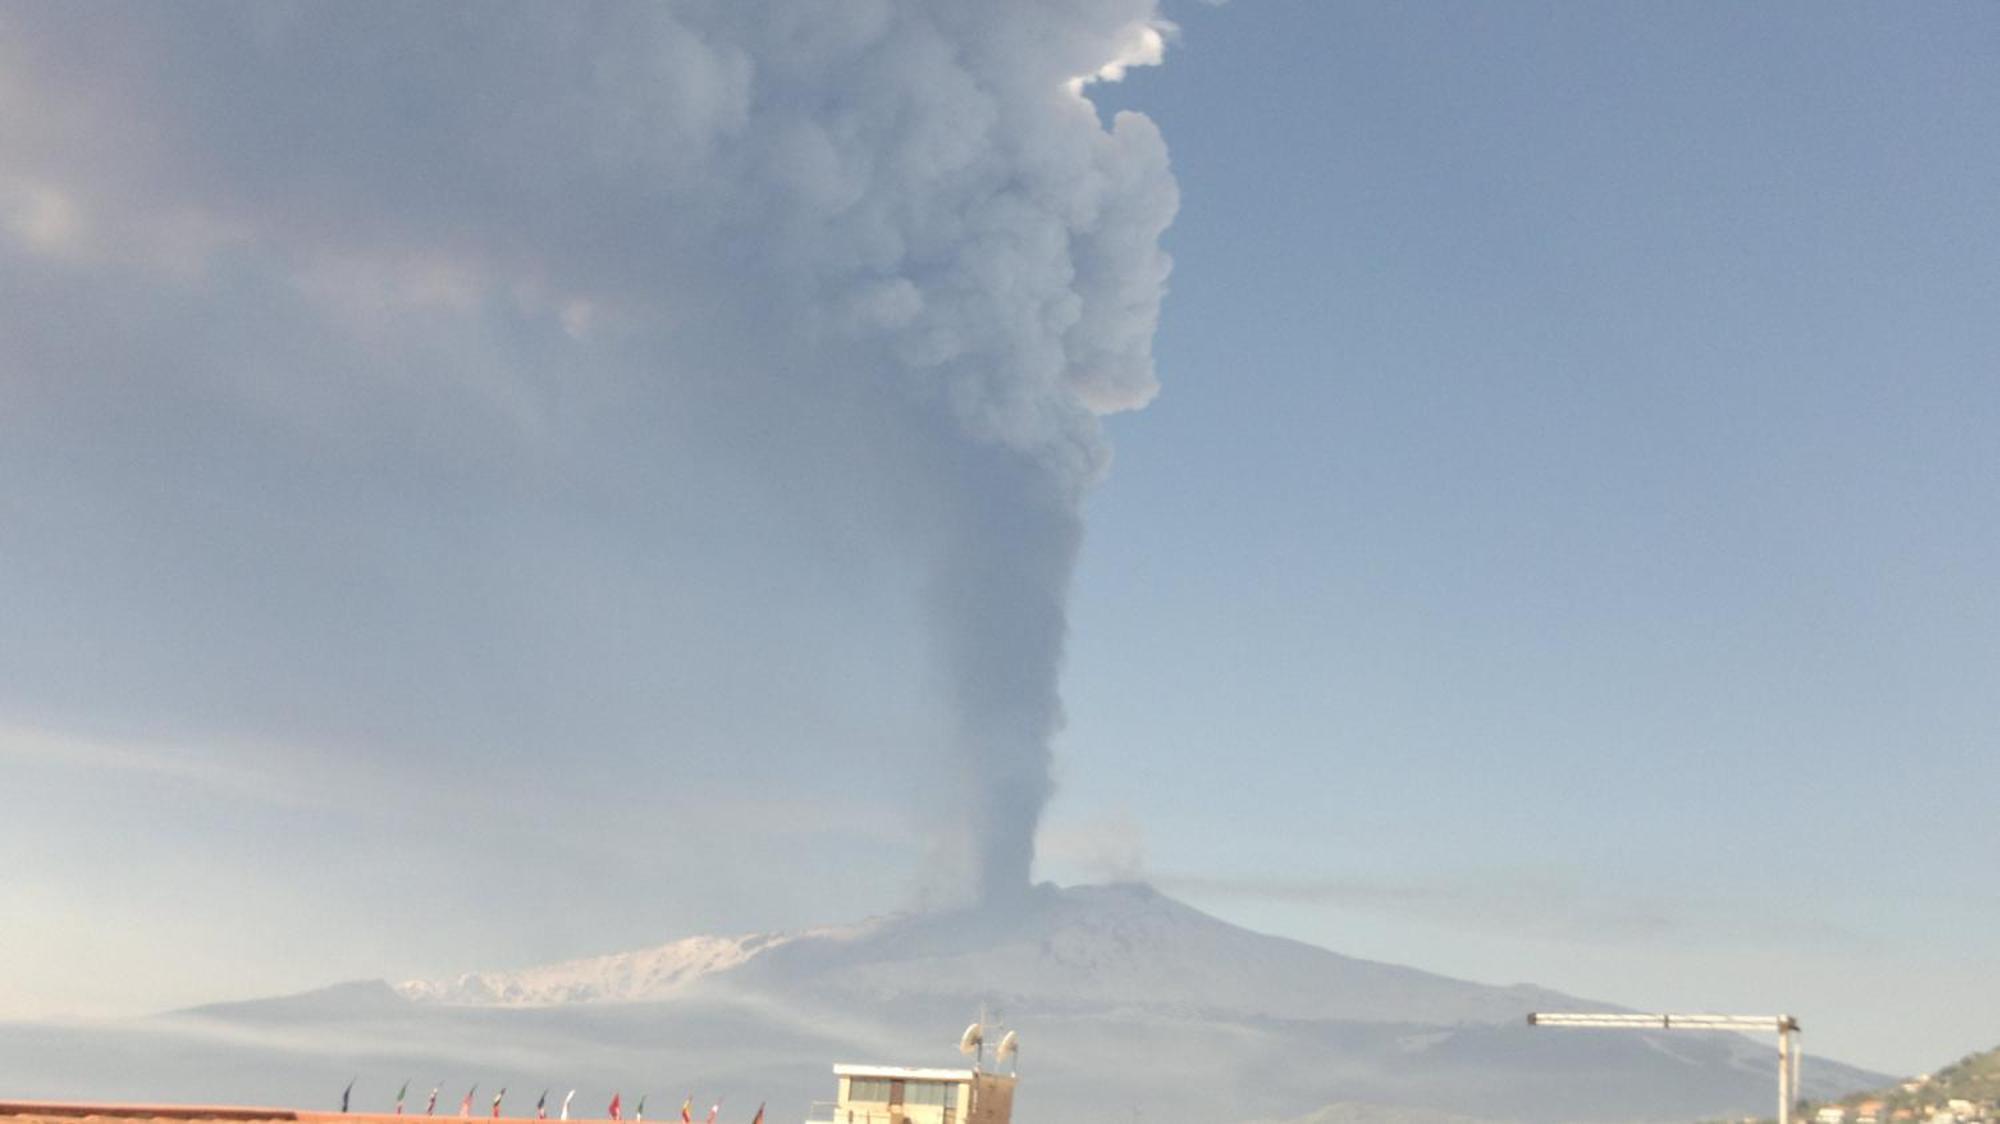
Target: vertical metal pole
(1784, 1074)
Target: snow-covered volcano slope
(1088, 947)
(1124, 999)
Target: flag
(400, 1094)
(566, 1100)
(639, 1110)
(344, 1093)
(687, 1110)
(614, 1108)
(542, 1106)
(496, 1101)
(760, 1115)
(465, 1106)
(431, 1107)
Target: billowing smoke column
(906, 199)
(1002, 248)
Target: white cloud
(1139, 44)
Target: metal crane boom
(1786, 1026)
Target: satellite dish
(973, 1038)
(1010, 1049)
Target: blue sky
(1564, 547)
(1561, 549)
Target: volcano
(1125, 1000)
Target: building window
(873, 1090)
(940, 1094)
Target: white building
(887, 1094)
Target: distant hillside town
(1965, 1092)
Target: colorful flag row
(615, 1111)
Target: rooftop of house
(901, 1073)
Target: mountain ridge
(1124, 998)
(1120, 942)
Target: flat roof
(77, 1109)
(906, 1073)
(75, 1112)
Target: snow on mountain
(1122, 945)
(644, 975)
(1125, 999)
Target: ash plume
(414, 269)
